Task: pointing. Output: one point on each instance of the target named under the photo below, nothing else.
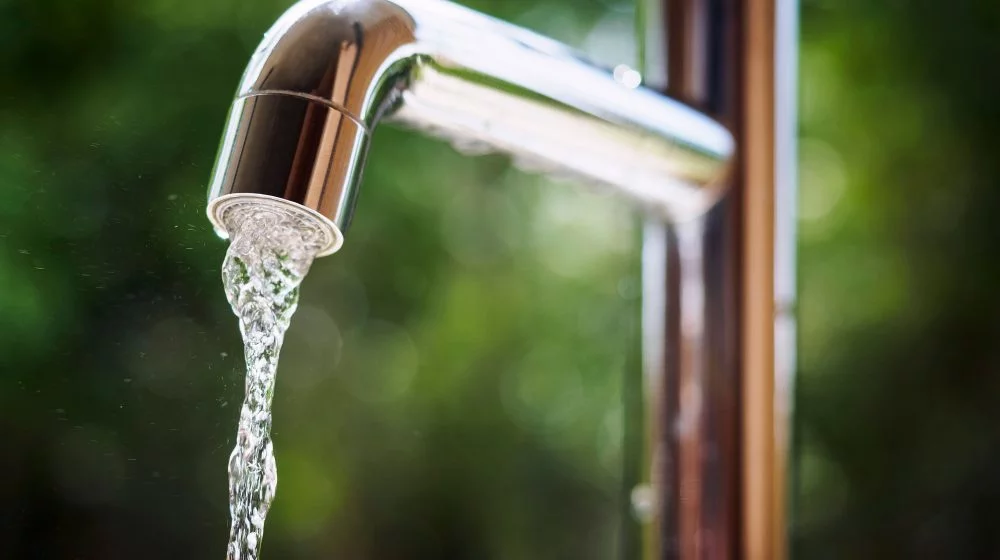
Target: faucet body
(329, 71)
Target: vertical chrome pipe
(720, 291)
(691, 275)
(786, 43)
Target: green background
(451, 385)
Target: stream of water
(270, 253)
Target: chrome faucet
(330, 71)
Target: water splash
(271, 251)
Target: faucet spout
(329, 71)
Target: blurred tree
(900, 376)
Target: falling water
(271, 251)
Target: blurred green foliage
(899, 382)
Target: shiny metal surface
(690, 317)
(718, 320)
(329, 71)
(786, 125)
